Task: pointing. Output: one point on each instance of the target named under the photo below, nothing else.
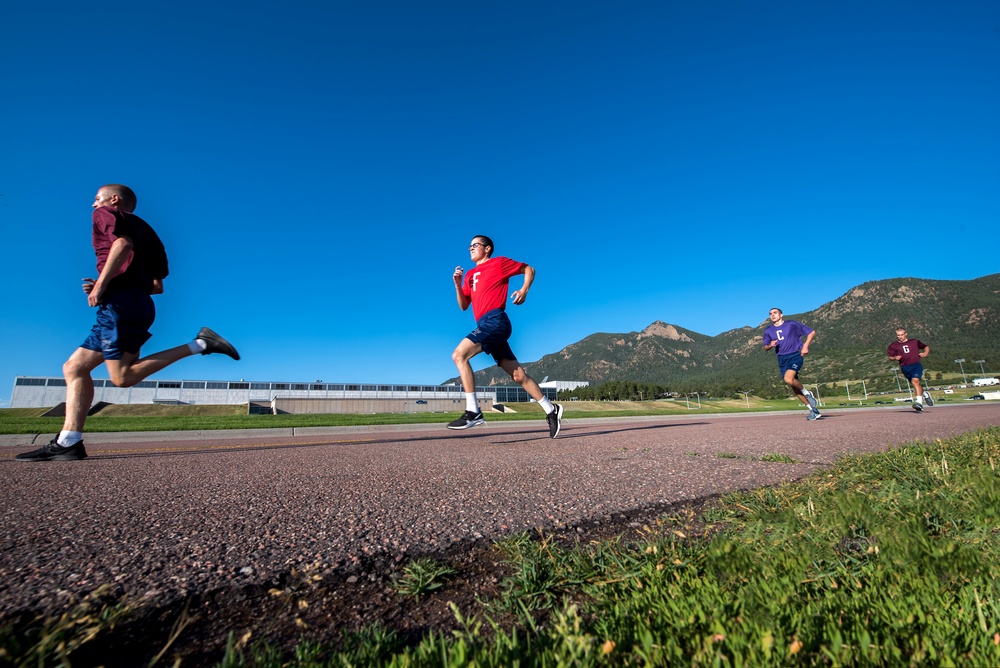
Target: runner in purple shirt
(786, 338)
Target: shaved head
(125, 194)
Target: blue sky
(317, 170)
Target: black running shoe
(468, 420)
(53, 452)
(927, 399)
(917, 406)
(216, 344)
(555, 420)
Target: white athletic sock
(546, 405)
(68, 438)
(805, 391)
(920, 399)
(197, 346)
(471, 403)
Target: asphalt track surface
(159, 516)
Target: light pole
(746, 393)
(898, 386)
(962, 369)
(980, 363)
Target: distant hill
(955, 318)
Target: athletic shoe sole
(468, 425)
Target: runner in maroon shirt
(908, 352)
(131, 266)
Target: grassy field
(885, 559)
(123, 417)
(151, 417)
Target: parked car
(977, 397)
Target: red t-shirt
(486, 283)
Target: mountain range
(957, 319)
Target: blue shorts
(123, 322)
(791, 361)
(912, 371)
(491, 332)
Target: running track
(158, 516)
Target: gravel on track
(164, 519)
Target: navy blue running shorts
(791, 361)
(491, 332)
(123, 322)
(912, 371)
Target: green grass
(887, 559)
(148, 417)
(884, 559)
(422, 576)
(22, 424)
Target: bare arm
(121, 251)
(520, 295)
(809, 338)
(463, 301)
(923, 353)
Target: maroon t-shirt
(909, 349)
(148, 260)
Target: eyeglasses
(473, 246)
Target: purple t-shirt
(789, 336)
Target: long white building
(40, 392)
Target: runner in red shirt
(485, 289)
